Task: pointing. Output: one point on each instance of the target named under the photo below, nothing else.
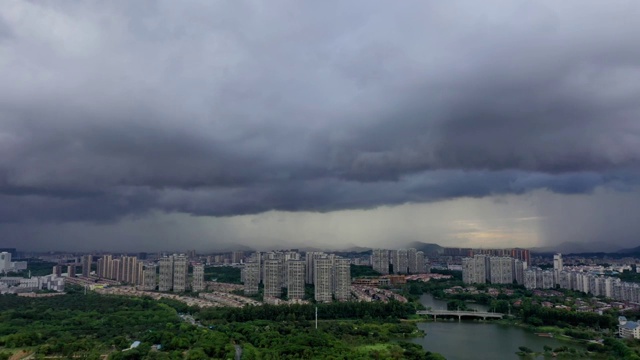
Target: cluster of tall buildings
(127, 269)
(287, 270)
(171, 273)
(516, 253)
(579, 280)
(402, 261)
(174, 274)
(481, 269)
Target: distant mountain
(572, 247)
(309, 249)
(234, 247)
(356, 249)
(635, 250)
(427, 248)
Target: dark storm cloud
(238, 108)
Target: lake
(477, 340)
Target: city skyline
(206, 125)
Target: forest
(88, 326)
(391, 311)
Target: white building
(412, 261)
(5, 262)
(272, 278)
(401, 261)
(18, 284)
(295, 279)
(251, 277)
(197, 283)
(628, 329)
(557, 267)
(342, 279)
(310, 257)
(474, 270)
(501, 270)
(180, 271)
(323, 281)
(165, 282)
(380, 261)
(149, 278)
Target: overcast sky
(134, 125)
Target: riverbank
(572, 333)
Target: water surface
(477, 340)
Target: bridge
(460, 314)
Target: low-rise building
(628, 329)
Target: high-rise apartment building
(342, 279)
(272, 278)
(87, 260)
(251, 276)
(557, 267)
(57, 270)
(393, 259)
(197, 283)
(149, 278)
(5, 261)
(537, 278)
(71, 271)
(165, 282)
(237, 257)
(420, 263)
(129, 272)
(99, 267)
(380, 261)
(522, 255)
(518, 268)
(105, 267)
(180, 271)
(412, 261)
(126, 269)
(295, 279)
(139, 273)
(310, 257)
(495, 269)
(501, 270)
(323, 279)
(474, 270)
(401, 262)
(117, 269)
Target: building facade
(197, 283)
(295, 279)
(180, 271)
(149, 278)
(165, 280)
(380, 261)
(251, 277)
(87, 260)
(272, 278)
(474, 269)
(342, 279)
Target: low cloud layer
(224, 109)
